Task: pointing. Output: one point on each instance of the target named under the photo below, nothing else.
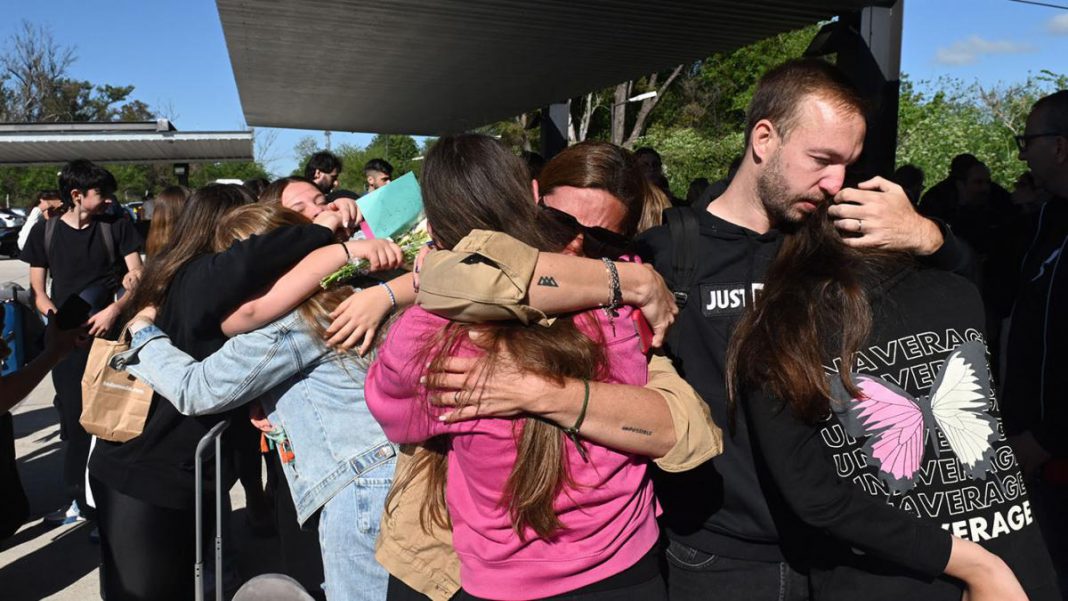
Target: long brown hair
(603, 166)
(473, 182)
(166, 208)
(193, 233)
(256, 219)
(815, 303)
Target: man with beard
(805, 127)
(323, 170)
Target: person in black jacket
(1035, 387)
(144, 488)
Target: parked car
(136, 209)
(9, 242)
(9, 218)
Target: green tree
(689, 153)
(941, 119)
(400, 151)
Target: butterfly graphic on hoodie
(897, 426)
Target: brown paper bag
(114, 403)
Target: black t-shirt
(158, 465)
(79, 258)
(881, 484)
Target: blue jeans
(348, 527)
(694, 575)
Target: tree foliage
(941, 119)
(698, 122)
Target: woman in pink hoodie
(535, 511)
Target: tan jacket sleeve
(424, 561)
(698, 437)
(483, 278)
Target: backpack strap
(109, 240)
(685, 233)
(105, 233)
(50, 235)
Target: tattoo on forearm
(638, 430)
(548, 281)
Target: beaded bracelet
(392, 297)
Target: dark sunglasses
(1024, 139)
(597, 242)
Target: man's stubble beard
(776, 199)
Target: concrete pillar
(554, 119)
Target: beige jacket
(485, 278)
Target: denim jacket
(314, 394)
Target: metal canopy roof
(444, 66)
(139, 142)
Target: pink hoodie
(609, 518)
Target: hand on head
(349, 212)
(878, 214)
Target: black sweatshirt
(876, 489)
(720, 507)
(157, 466)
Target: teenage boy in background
(84, 253)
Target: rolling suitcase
(19, 330)
(213, 435)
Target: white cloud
(966, 52)
(1058, 25)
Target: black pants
(643, 581)
(14, 507)
(694, 575)
(302, 557)
(147, 552)
(67, 379)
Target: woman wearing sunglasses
(533, 514)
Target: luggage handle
(215, 434)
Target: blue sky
(174, 52)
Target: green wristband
(573, 431)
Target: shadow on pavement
(28, 423)
(59, 563)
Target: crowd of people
(584, 387)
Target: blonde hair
(257, 219)
(653, 208)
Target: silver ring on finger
(456, 397)
(860, 226)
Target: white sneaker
(65, 515)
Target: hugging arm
(303, 279)
(243, 369)
(665, 419)
(490, 276)
(803, 471)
